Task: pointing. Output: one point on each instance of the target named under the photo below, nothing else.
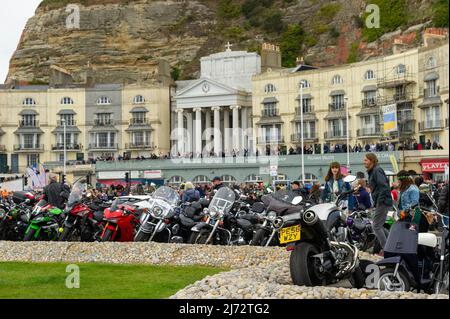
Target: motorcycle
(44, 222)
(415, 260)
(189, 215)
(158, 215)
(121, 221)
(83, 221)
(315, 259)
(13, 220)
(212, 231)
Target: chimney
(433, 36)
(300, 61)
(270, 57)
(59, 77)
(398, 46)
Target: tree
(291, 43)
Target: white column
(217, 133)
(226, 136)
(208, 130)
(236, 132)
(244, 120)
(190, 138)
(180, 125)
(198, 131)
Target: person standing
(381, 195)
(334, 183)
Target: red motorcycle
(121, 222)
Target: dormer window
(431, 62)
(337, 79)
(104, 100)
(29, 101)
(369, 75)
(269, 88)
(66, 101)
(139, 99)
(400, 69)
(305, 84)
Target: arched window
(369, 75)
(29, 101)
(305, 83)
(66, 100)
(269, 88)
(431, 62)
(253, 178)
(176, 180)
(139, 99)
(337, 79)
(200, 179)
(228, 179)
(104, 100)
(309, 178)
(400, 69)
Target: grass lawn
(99, 281)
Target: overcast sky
(13, 17)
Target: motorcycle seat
(98, 216)
(244, 223)
(186, 221)
(427, 239)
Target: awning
(139, 109)
(28, 112)
(369, 88)
(69, 129)
(305, 96)
(269, 100)
(337, 92)
(434, 165)
(430, 102)
(431, 76)
(66, 112)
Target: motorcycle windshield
(223, 200)
(77, 192)
(168, 195)
(284, 196)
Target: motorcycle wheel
(303, 267)
(389, 282)
(30, 235)
(66, 234)
(107, 236)
(442, 287)
(258, 238)
(141, 236)
(198, 237)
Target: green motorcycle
(44, 222)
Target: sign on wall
(390, 118)
(153, 174)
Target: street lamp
(63, 122)
(302, 82)
(348, 135)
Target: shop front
(435, 169)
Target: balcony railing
(406, 127)
(336, 107)
(335, 135)
(372, 102)
(394, 98)
(31, 123)
(270, 113)
(297, 137)
(139, 121)
(307, 110)
(431, 125)
(270, 139)
(60, 147)
(68, 123)
(104, 122)
(107, 146)
(427, 94)
(138, 145)
(28, 147)
(371, 131)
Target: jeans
(379, 219)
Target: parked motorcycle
(44, 222)
(121, 221)
(157, 217)
(188, 215)
(212, 231)
(13, 220)
(415, 260)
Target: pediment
(205, 87)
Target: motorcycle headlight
(271, 216)
(213, 213)
(157, 211)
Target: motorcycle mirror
(297, 200)
(349, 178)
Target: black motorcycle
(14, 220)
(188, 215)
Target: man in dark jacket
(443, 200)
(55, 193)
(217, 183)
(381, 195)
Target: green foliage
(235, 33)
(228, 9)
(319, 28)
(273, 22)
(175, 73)
(291, 43)
(310, 41)
(440, 13)
(248, 7)
(353, 54)
(328, 11)
(393, 14)
(359, 21)
(334, 32)
(37, 82)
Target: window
(431, 89)
(103, 100)
(68, 118)
(307, 107)
(138, 99)
(139, 118)
(369, 75)
(269, 88)
(432, 115)
(176, 180)
(311, 178)
(270, 109)
(253, 178)
(400, 92)
(337, 102)
(309, 129)
(29, 101)
(71, 139)
(228, 179)
(32, 160)
(337, 128)
(271, 133)
(66, 100)
(337, 79)
(431, 63)
(29, 120)
(400, 69)
(103, 119)
(370, 98)
(306, 84)
(201, 179)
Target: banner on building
(390, 118)
(394, 163)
